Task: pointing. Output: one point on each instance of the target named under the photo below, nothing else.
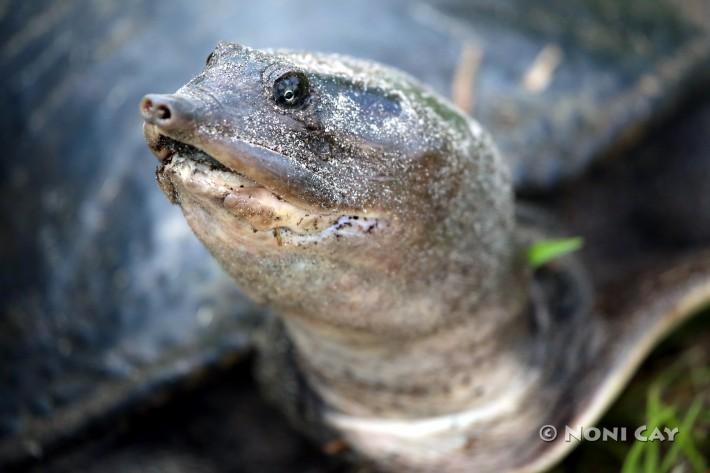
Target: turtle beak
(166, 115)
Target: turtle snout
(169, 112)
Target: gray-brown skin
(378, 222)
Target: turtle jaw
(244, 182)
(224, 200)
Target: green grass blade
(542, 252)
(633, 458)
(686, 441)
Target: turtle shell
(107, 299)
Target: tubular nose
(166, 111)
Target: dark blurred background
(123, 347)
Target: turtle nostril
(162, 112)
(166, 111)
(146, 105)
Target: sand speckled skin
(412, 317)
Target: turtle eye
(210, 57)
(291, 89)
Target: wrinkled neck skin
(422, 318)
(401, 339)
(414, 316)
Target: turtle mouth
(191, 177)
(165, 148)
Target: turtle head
(322, 131)
(321, 181)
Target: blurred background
(123, 347)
